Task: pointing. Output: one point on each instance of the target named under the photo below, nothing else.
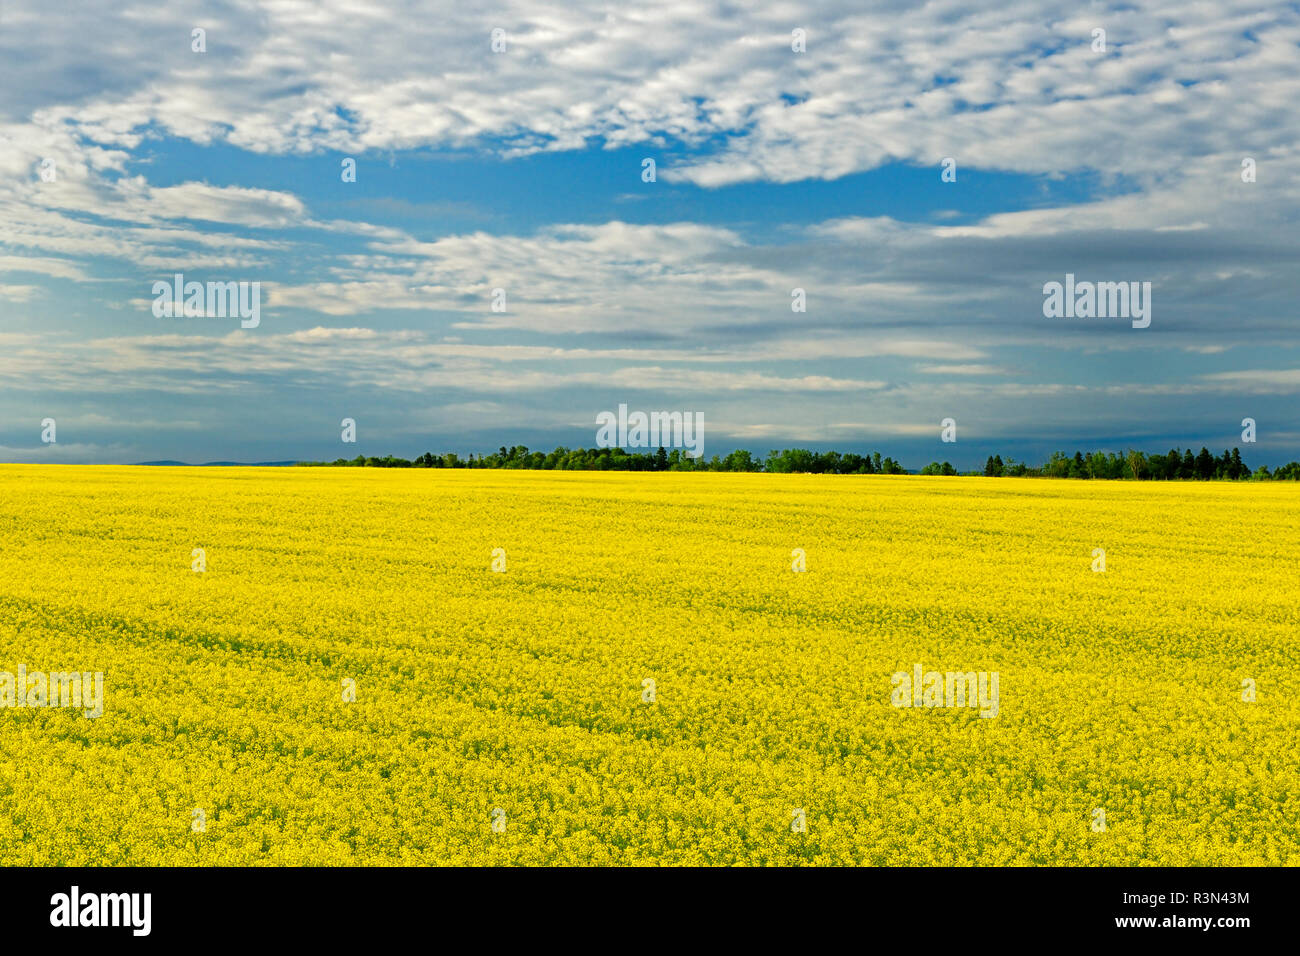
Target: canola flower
(349, 680)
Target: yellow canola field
(519, 697)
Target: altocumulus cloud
(907, 321)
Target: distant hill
(218, 464)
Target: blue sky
(521, 170)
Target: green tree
(1204, 465)
(1136, 463)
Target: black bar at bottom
(945, 907)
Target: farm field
(518, 697)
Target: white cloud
(970, 368)
(1011, 88)
(1163, 120)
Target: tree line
(618, 459)
(1176, 465)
